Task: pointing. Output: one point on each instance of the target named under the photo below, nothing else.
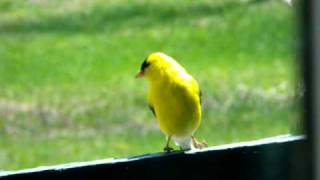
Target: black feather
(200, 96)
(144, 65)
(152, 109)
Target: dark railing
(270, 159)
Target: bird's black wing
(152, 109)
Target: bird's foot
(168, 149)
(199, 144)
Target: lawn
(67, 91)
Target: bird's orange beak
(140, 74)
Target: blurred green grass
(67, 91)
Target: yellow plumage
(174, 97)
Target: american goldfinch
(174, 98)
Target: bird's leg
(167, 148)
(198, 144)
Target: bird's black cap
(144, 65)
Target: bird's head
(157, 64)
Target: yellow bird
(174, 98)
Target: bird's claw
(199, 144)
(168, 149)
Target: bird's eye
(144, 65)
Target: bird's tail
(187, 143)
